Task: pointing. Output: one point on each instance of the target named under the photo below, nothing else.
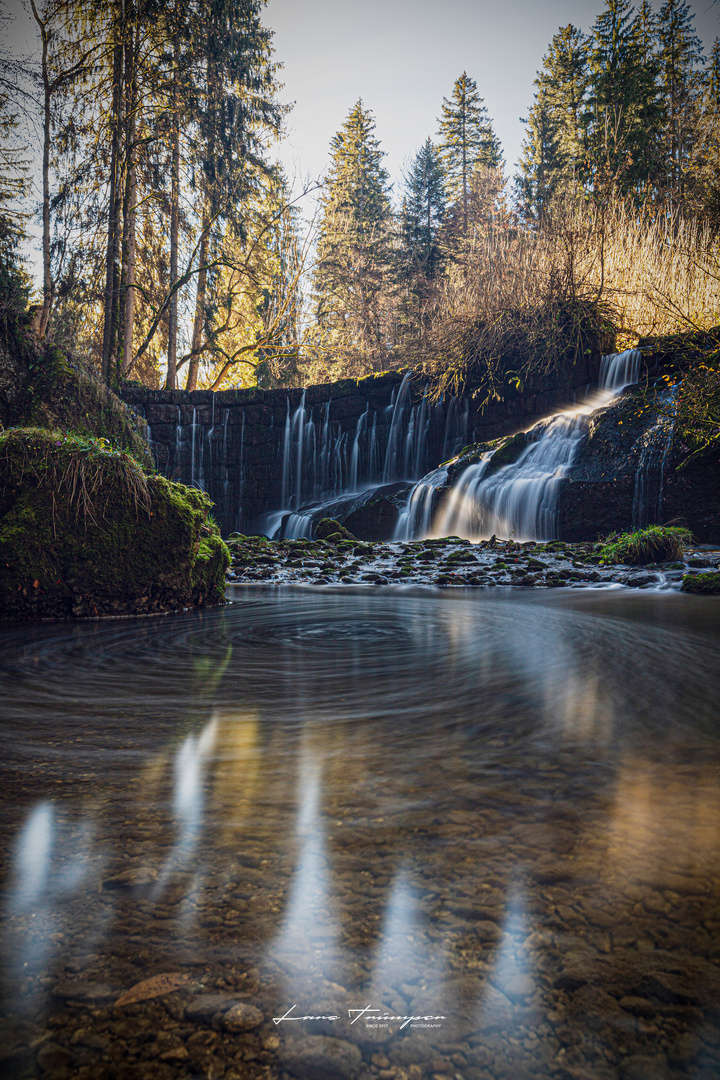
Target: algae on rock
(85, 531)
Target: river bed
(495, 813)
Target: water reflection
(34, 854)
(506, 814)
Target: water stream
(322, 464)
(500, 812)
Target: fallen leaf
(36, 584)
(158, 985)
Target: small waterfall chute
(520, 499)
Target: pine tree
(354, 254)
(554, 150)
(535, 181)
(467, 140)
(680, 54)
(420, 256)
(14, 186)
(702, 168)
(617, 92)
(647, 149)
(424, 206)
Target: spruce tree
(617, 90)
(420, 254)
(647, 148)
(537, 168)
(467, 140)
(424, 204)
(554, 150)
(702, 168)
(680, 54)
(354, 253)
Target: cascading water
(321, 463)
(416, 518)
(519, 499)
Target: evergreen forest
(176, 253)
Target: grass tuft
(88, 471)
(657, 543)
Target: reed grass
(518, 301)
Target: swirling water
(500, 811)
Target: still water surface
(499, 812)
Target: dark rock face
(629, 473)
(376, 519)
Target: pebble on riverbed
(453, 562)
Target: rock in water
(321, 1058)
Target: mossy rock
(702, 584)
(331, 530)
(43, 386)
(86, 532)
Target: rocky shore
(453, 562)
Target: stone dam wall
(257, 451)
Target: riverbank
(452, 562)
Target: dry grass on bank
(526, 295)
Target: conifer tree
(680, 54)
(702, 168)
(467, 140)
(351, 280)
(647, 150)
(420, 254)
(554, 150)
(535, 181)
(617, 94)
(424, 206)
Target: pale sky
(403, 56)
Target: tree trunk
(47, 278)
(171, 381)
(200, 297)
(127, 291)
(112, 258)
(201, 294)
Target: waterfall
(520, 499)
(650, 472)
(321, 462)
(415, 519)
(241, 480)
(618, 370)
(390, 469)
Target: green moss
(702, 584)
(331, 530)
(56, 391)
(84, 531)
(508, 452)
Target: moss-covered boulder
(702, 584)
(85, 531)
(332, 530)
